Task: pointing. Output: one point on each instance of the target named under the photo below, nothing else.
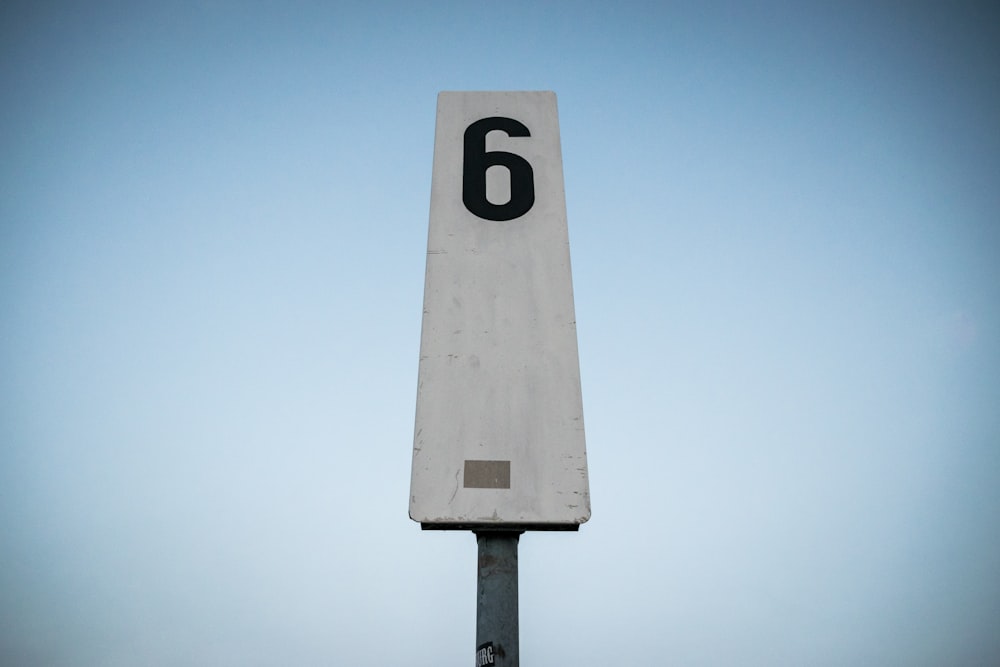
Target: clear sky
(785, 232)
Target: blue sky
(785, 231)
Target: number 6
(477, 160)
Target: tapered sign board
(499, 437)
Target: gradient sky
(785, 232)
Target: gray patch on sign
(487, 475)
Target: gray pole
(496, 600)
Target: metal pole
(496, 600)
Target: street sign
(499, 438)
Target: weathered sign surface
(499, 438)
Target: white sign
(499, 438)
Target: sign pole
(496, 599)
(498, 439)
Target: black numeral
(477, 160)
